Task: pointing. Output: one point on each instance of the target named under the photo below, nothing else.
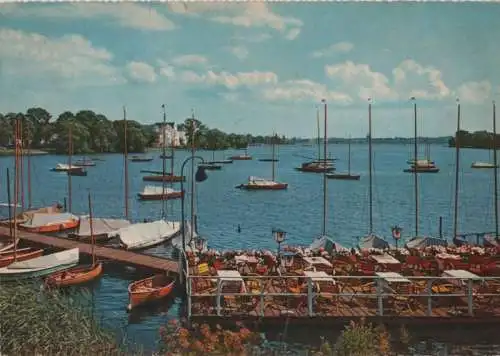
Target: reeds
(34, 321)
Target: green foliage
(95, 133)
(478, 139)
(37, 322)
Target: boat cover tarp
(45, 262)
(156, 190)
(373, 241)
(421, 242)
(101, 226)
(327, 244)
(43, 219)
(146, 234)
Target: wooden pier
(103, 253)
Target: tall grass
(40, 322)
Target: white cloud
(244, 14)
(256, 38)
(240, 52)
(142, 72)
(340, 47)
(304, 90)
(71, 58)
(474, 92)
(230, 80)
(409, 78)
(190, 60)
(131, 15)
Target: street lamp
(279, 237)
(396, 234)
(199, 176)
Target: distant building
(172, 135)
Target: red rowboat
(149, 290)
(23, 254)
(77, 275)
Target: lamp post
(279, 237)
(199, 176)
(396, 234)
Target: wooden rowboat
(23, 254)
(74, 276)
(149, 290)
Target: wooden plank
(123, 256)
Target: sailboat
(80, 274)
(274, 140)
(371, 239)
(242, 157)
(84, 162)
(319, 165)
(348, 175)
(255, 183)
(456, 240)
(163, 176)
(161, 193)
(79, 170)
(211, 165)
(223, 161)
(420, 165)
(486, 165)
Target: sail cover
(327, 244)
(47, 261)
(101, 226)
(155, 190)
(147, 234)
(421, 242)
(373, 241)
(44, 219)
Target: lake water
(298, 210)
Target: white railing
(418, 291)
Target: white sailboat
(148, 234)
(40, 266)
(482, 165)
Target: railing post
(380, 298)
(469, 297)
(309, 296)
(429, 297)
(181, 268)
(188, 281)
(261, 298)
(218, 296)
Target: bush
(35, 322)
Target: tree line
(477, 139)
(95, 133)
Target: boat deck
(131, 258)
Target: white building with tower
(172, 135)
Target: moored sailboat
(50, 223)
(242, 157)
(144, 235)
(80, 274)
(151, 192)
(483, 165)
(348, 175)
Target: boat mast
(273, 155)
(125, 160)
(495, 168)
(319, 133)
(16, 184)
(92, 237)
(193, 129)
(325, 180)
(164, 153)
(415, 163)
(349, 156)
(9, 201)
(70, 153)
(370, 164)
(29, 168)
(457, 169)
(21, 161)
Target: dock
(131, 258)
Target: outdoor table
(392, 277)
(246, 259)
(230, 277)
(315, 261)
(459, 277)
(385, 259)
(444, 257)
(319, 277)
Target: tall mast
(21, 161)
(318, 139)
(495, 169)
(16, 185)
(125, 160)
(415, 159)
(273, 139)
(172, 149)
(457, 169)
(193, 131)
(70, 154)
(164, 153)
(325, 180)
(92, 237)
(30, 201)
(349, 156)
(370, 164)
(9, 201)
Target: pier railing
(344, 296)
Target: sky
(257, 67)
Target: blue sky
(257, 67)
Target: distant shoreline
(33, 152)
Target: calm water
(221, 207)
